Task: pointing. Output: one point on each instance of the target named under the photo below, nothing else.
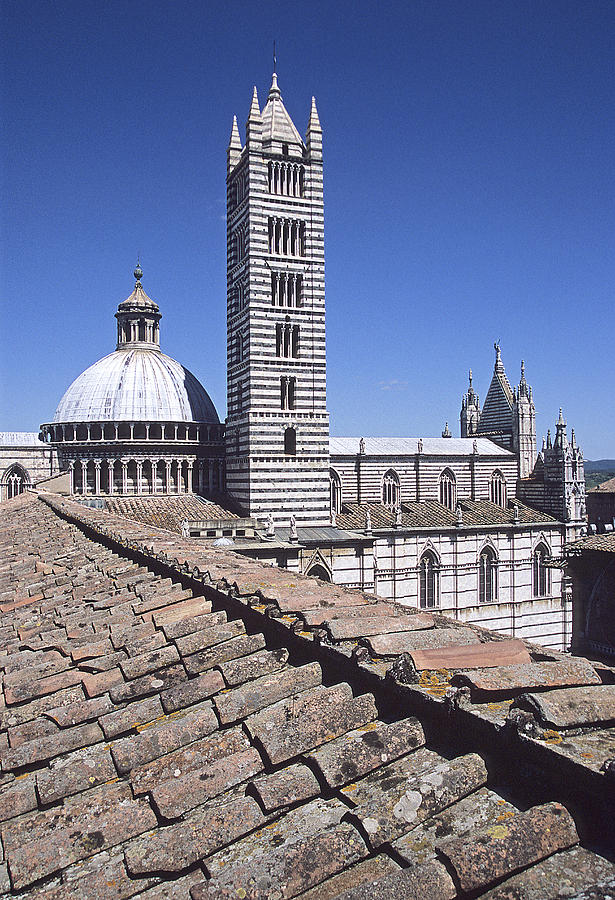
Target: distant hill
(597, 471)
(600, 465)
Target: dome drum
(132, 433)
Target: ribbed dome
(136, 385)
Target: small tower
(524, 426)
(137, 319)
(277, 436)
(564, 480)
(470, 410)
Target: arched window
(290, 442)
(390, 489)
(541, 574)
(335, 488)
(429, 595)
(448, 489)
(487, 576)
(15, 481)
(497, 489)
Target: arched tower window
(487, 576)
(497, 489)
(448, 489)
(290, 442)
(335, 488)
(429, 588)
(390, 489)
(541, 574)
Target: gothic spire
(274, 90)
(314, 123)
(233, 152)
(235, 141)
(255, 112)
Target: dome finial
(138, 273)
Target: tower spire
(233, 151)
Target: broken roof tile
(75, 772)
(243, 645)
(355, 627)
(288, 870)
(201, 833)
(46, 748)
(189, 758)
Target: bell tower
(277, 431)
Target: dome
(136, 385)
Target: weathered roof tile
(162, 737)
(108, 817)
(500, 850)
(173, 798)
(201, 833)
(392, 800)
(306, 720)
(286, 786)
(255, 695)
(366, 748)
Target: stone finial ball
(138, 272)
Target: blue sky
(469, 194)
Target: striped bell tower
(277, 431)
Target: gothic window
(290, 442)
(448, 489)
(390, 489)
(287, 392)
(335, 489)
(497, 489)
(16, 481)
(541, 575)
(428, 581)
(487, 576)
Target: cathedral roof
(277, 124)
(496, 414)
(136, 385)
(409, 446)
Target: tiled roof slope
(182, 722)
(605, 487)
(167, 512)
(431, 514)
(602, 542)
